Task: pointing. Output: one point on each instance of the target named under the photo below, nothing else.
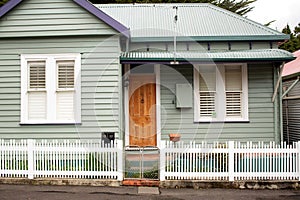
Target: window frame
(51, 87)
(220, 99)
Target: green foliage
(293, 44)
(241, 7)
(2, 2)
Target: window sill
(49, 123)
(223, 121)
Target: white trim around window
(218, 100)
(43, 101)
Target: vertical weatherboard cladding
(54, 27)
(261, 109)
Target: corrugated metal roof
(292, 67)
(226, 56)
(150, 21)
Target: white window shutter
(207, 90)
(65, 92)
(37, 75)
(233, 87)
(37, 96)
(65, 105)
(65, 74)
(37, 105)
(207, 104)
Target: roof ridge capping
(245, 19)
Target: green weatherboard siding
(100, 86)
(57, 27)
(261, 109)
(51, 18)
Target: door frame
(126, 104)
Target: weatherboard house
(138, 73)
(291, 99)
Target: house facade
(70, 70)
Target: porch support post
(278, 82)
(231, 160)
(162, 162)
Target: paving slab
(148, 190)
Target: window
(221, 92)
(50, 89)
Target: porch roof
(275, 55)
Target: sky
(283, 11)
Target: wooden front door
(142, 110)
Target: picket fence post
(30, 152)
(231, 160)
(120, 160)
(162, 165)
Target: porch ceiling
(209, 56)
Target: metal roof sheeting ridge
(150, 21)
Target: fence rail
(230, 161)
(32, 159)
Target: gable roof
(197, 21)
(292, 68)
(82, 3)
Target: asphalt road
(31, 192)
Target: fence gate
(141, 163)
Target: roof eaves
(262, 55)
(212, 38)
(123, 59)
(9, 6)
(290, 76)
(104, 17)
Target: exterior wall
(100, 75)
(291, 112)
(261, 109)
(54, 27)
(50, 18)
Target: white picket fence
(229, 161)
(53, 159)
